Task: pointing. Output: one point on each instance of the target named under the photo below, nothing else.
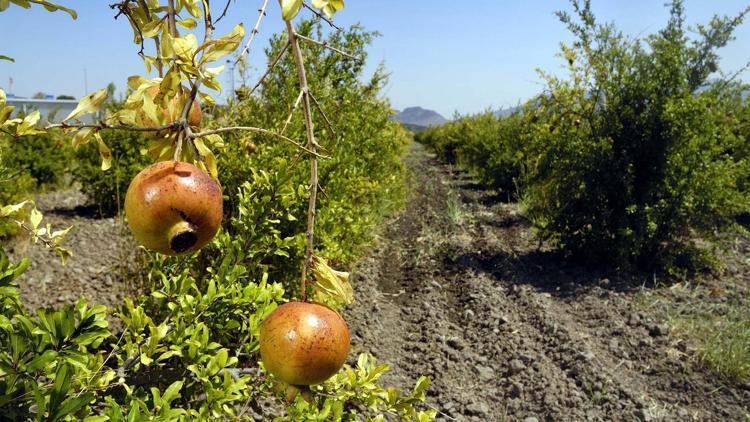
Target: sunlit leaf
(331, 287)
(35, 218)
(290, 8)
(88, 104)
(104, 152)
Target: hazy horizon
(474, 58)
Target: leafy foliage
(106, 189)
(635, 148)
(631, 157)
(44, 157)
(490, 147)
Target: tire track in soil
(507, 330)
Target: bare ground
(457, 288)
(508, 330)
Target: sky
(443, 55)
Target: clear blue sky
(441, 56)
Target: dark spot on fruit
(183, 241)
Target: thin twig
(258, 130)
(224, 13)
(294, 42)
(325, 44)
(159, 64)
(321, 16)
(104, 126)
(48, 243)
(270, 67)
(261, 14)
(194, 92)
(323, 113)
(291, 113)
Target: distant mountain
(418, 117)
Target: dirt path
(456, 288)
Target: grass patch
(720, 329)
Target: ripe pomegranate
(173, 207)
(172, 113)
(303, 343)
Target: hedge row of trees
(641, 150)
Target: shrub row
(633, 157)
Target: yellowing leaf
(216, 49)
(290, 8)
(52, 7)
(35, 218)
(331, 287)
(185, 47)
(88, 104)
(9, 210)
(188, 23)
(135, 82)
(151, 29)
(104, 152)
(82, 136)
(28, 124)
(329, 7)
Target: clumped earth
(457, 288)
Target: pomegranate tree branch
(171, 18)
(257, 130)
(103, 125)
(325, 44)
(311, 145)
(194, 91)
(271, 66)
(261, 14)
(291, 112)
(224, 13)
(323, 113)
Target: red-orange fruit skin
(303, 343)
(169, 198)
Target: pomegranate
(303, 343)
(173, 207)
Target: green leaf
(60, 389)
(10, 59)
(41, 361)
(172, 392)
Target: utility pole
(231, 73)
(10, 84)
